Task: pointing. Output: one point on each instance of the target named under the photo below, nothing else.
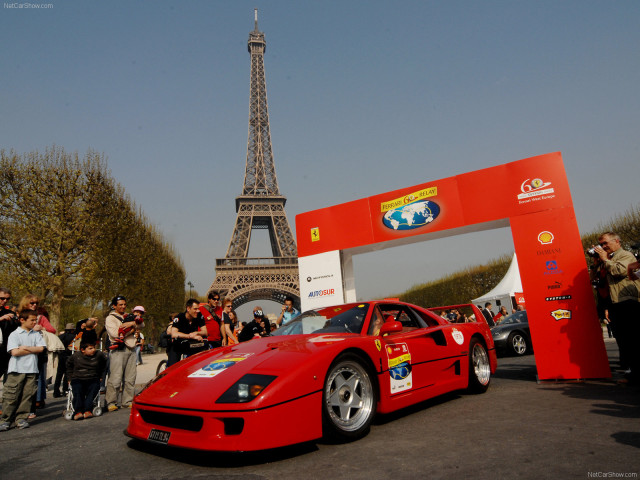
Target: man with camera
(611, 264)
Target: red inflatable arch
(536, 204)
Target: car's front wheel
(348, 399)
(479, 367)
(517, 343)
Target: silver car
(512, 335)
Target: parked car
(327, 372)
(512, 335)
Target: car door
(420, 362)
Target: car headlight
(246, 389)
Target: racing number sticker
(400, 376)
(458, 336)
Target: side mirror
(390, 327)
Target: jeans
(84, 391)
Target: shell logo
(545, 238)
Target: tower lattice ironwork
(259, 207)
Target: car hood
(198, 381)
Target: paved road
(518, 429)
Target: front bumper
(287, 423)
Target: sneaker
(112, 408)
(22, 424)
(4, 426)
(31, 416)
(88, 414)
(78, 416)
(128, 405)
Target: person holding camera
(288, 312)
(610, 264)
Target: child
(124, 331)
(85, 369)
(24, 345)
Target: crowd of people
(456, 316)
(91, 362)
(216, 324)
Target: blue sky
(364, 97)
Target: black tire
(479, 367)
(349, 399)
(161, 366)
(518, 344)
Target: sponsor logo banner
(409, 198)
(561, 297)
(410, 216)
(561, 314)
(399, 361)
(534, 188)
(545, 238)
(552, 268)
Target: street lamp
(190, 287)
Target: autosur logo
(534, 190)
(551, 268)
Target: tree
(70, 233)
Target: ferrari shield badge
(378, 345)
(400, 374)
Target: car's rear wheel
(348, 399)
(517, 343)
(479, 367)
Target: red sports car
(328, 372)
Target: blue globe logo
(412, 215)
(218, 366)
(400, 372)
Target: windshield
(340, 319)
(518, 317)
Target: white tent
(505, 291)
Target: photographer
(288, 312)
(611, 264)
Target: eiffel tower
(261, 206)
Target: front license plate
(159, 436)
